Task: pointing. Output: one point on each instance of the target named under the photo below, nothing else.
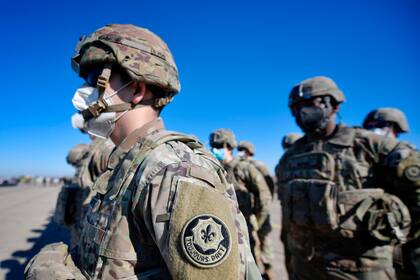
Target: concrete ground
(26, 226)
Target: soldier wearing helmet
(251, 189)
(90, 162)
(289, 139)
(246, 150)
(347, 194)
(386, 121)
(391, 122)
(163, 209)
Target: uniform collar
(343, 136)
(134, 137)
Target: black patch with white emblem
(206, 241)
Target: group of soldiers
(147, 203)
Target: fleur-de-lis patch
(206, 240)
(207, 235)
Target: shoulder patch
(206, 241)
(412, 173)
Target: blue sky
(237, 61)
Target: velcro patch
(206, 241)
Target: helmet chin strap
(100, 106)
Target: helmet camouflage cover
(145, 57)
(289, 139)
(314, 87)
(248, 146)
(77, 153)
(223, 136)
(388, 115)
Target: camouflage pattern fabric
(352, 161)
(144, 55)
(75, 196)
(248, 146)
(76, 154)
(253, 198)
(289, 139)
(52, 262)
(392, 115)
(164, 210)
(266, 250)
(313, 87)
(223, 136)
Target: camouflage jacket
(75, 195)
(342, 172)
(94, 162)
(266, 173)
(248, 179)
(163, 210)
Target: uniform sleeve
(267, 176)
(397, 166)
(402, 167)
(256, 184)
(192, 223)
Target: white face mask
(104, 124)
(381, 131)
(241, 154)
(77, 121)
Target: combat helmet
(313, 87)
(392, 115)
(139, 52)
(247, 146)
(76, 154)
(289, 139)
(223, 136)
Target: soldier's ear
(140, 92)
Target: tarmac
(26, 226)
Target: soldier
(163, 208)
(251, 189)
(386, 121)
(246, 150)
(90, 162)
(392, 122)
(289, 139)
(343, 189)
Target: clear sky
(237, 61)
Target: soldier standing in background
(251, 189)
(289, 139)
(90, 162)
(392, 122)
(387, 122)
(163, 209)
(246, 150)
(345, 191)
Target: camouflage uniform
(266, 227)
(406, 256)
(251, 189)
(64, 210)
(163, 209)
(287, 141)
(92, 167)
(341, 218)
